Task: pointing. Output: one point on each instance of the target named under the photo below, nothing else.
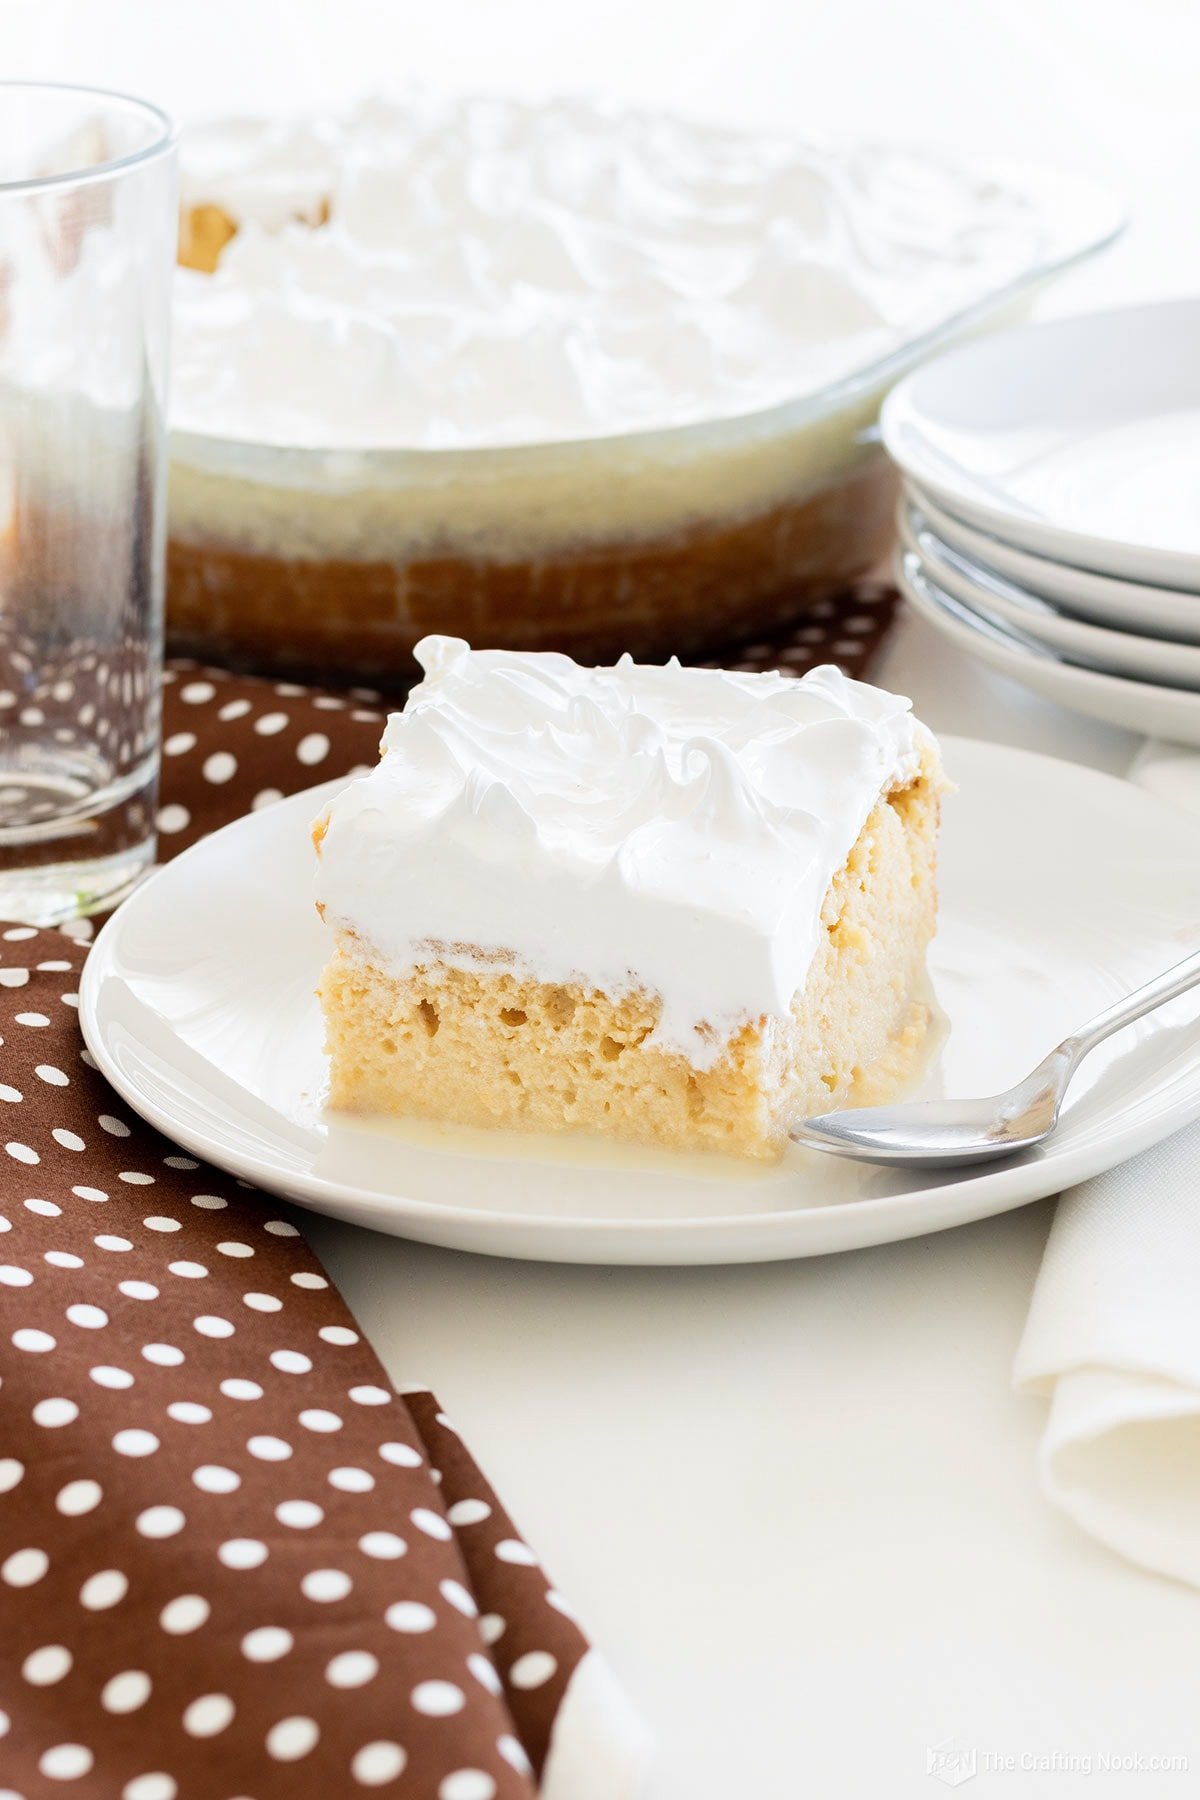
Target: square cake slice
(680, 906)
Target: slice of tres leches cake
(680, 906)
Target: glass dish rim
(339, 463)
(162, 144)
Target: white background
(796, 1504)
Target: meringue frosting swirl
(667, 828)
(478, 272)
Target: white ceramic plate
(1078, 439)
(1170, 713)
(1162, 612)
(1088, 646)
(1061, 890)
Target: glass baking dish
(307, 561)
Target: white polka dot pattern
(233, 744)
(217, 1519)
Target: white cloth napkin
(1113, 1334)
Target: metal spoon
(940, 1133)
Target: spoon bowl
(929, 1134)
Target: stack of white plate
(1050, 520)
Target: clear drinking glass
(87, 244)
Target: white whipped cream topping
(495, 272)
(635, 827)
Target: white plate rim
(1075, 640)
(1115, 699)
(991, 508)
(1102, 599)
(583, 1239)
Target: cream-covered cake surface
(442, 271)
(555, 373)
(681, 905)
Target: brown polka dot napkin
(232, 1560)
(234, 1563)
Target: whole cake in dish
(544, 375)
(679, 906)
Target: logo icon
(951, 1762)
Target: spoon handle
(1168, 986)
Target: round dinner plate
(1090, 646)
(1140, 706)
(1078, 439)
(1161, 612)
(1061, 890)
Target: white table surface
(795, 1504)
